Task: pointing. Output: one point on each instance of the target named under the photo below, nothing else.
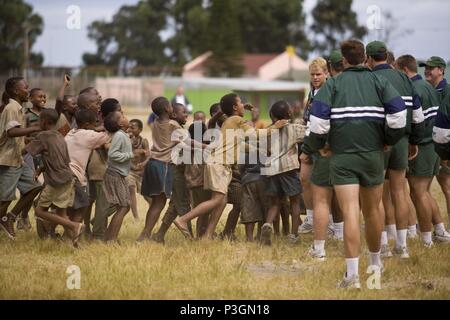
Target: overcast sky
(429, 20)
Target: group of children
(364, 143)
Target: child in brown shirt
(134, 179)
(59, 189)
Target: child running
(158, 173)
(59, 183)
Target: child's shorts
(116, 189)
(200, 195)
(157, 179)
(397, 157)
(135, 180)
(426, 164)
(60, 196)
(365, 169)
(284, 184)
(16, 177)
(180, 199)
(234, 193)
(217, 178)
(82, 198)
(254, 202)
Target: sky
(428, 19)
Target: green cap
(335, 56)
(376, 47)
(434, 62)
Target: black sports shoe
(7, 224)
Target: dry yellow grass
(36, 269)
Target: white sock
(439, 228)
(401, 238)
(352, 267)
(426, 237)
(339, 229)
(412, 230)
(309, 215)
(384, 240)
(330, 219)
(391, 231)
(319, 245)
(375, 259)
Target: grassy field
(36, 269)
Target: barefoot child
(180, 202)
(59, 183)
(158, 173)
(194, 176)
(282, 172)
(115, 186)
(137, 164)
(81, 142)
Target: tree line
(167, 34)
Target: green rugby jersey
(415, 126)
(358, 111)
(441, 87)
(429, 99)
(441, 130)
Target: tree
(334, 21)
(132, 38)
(269, 26)
(225, 39)
(18, 23)
(190, 26)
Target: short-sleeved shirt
(55, 157)
(11, 147)
(284, 152)
(162, 139)
(31, 117)
(229, 145)
(81, 143)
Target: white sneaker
(306, 227)
(444, 237)
(350, 283)
(385, 251)
(402, 252)
(317, 254)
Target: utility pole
(26, 50)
